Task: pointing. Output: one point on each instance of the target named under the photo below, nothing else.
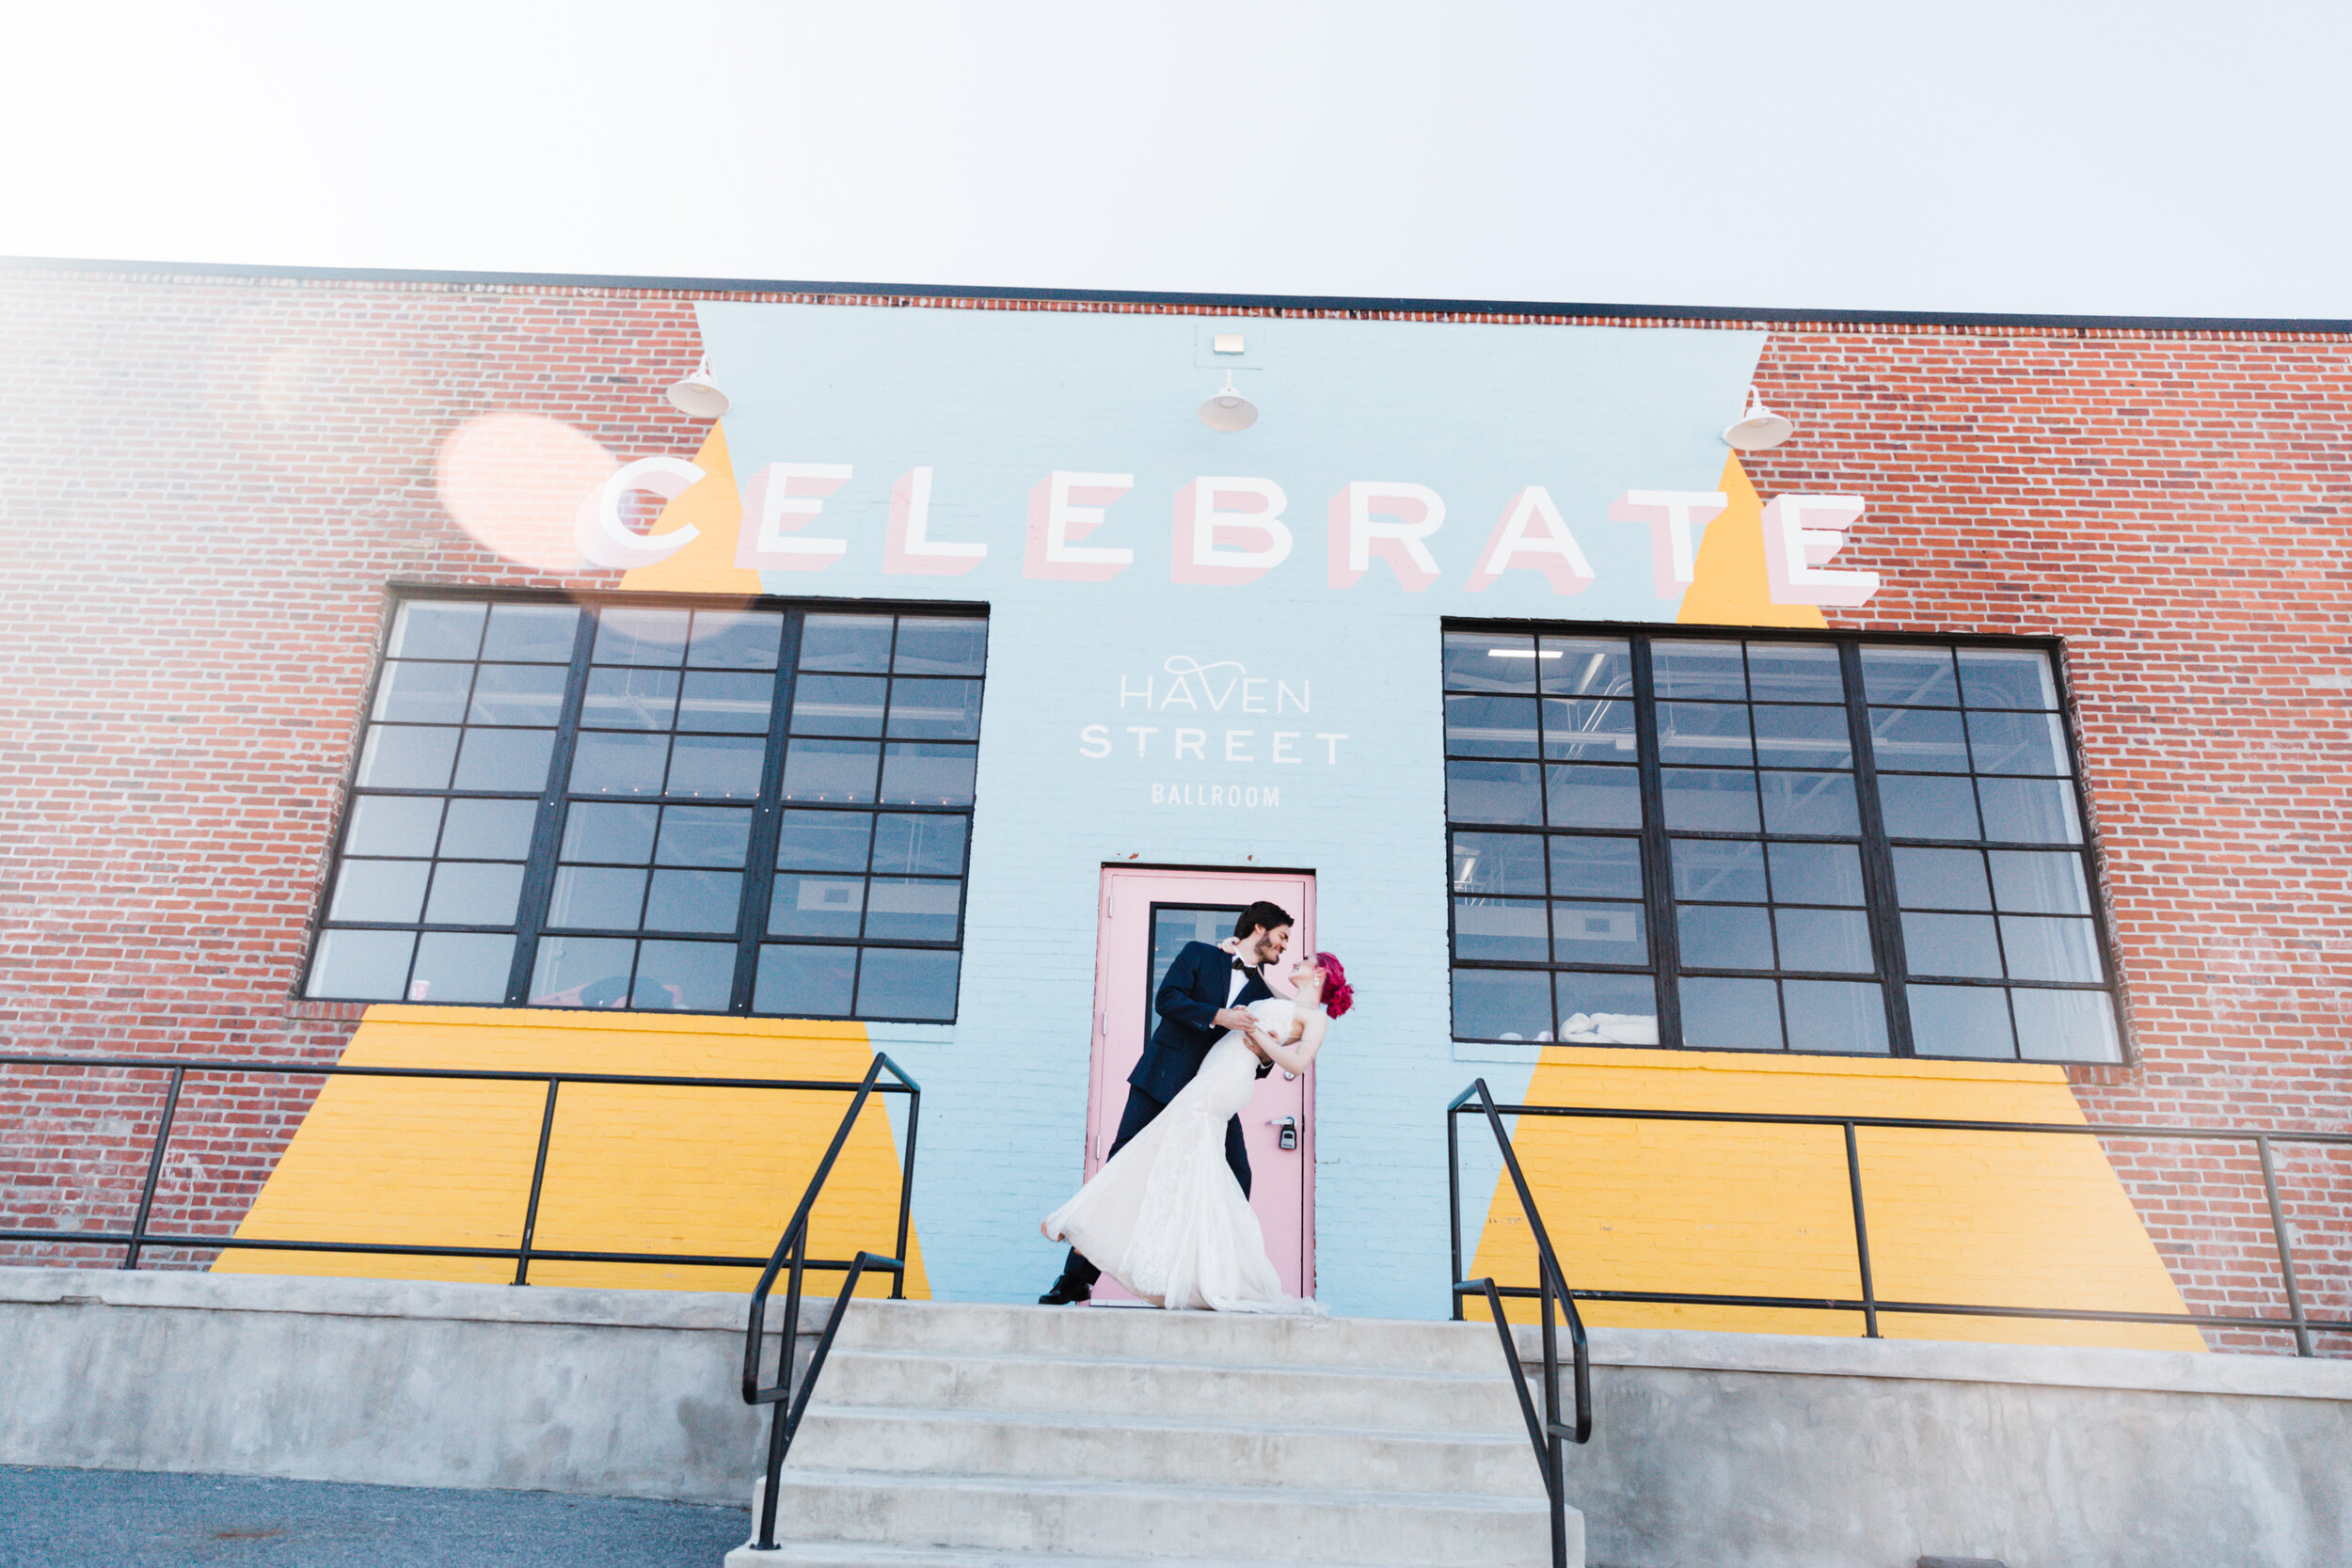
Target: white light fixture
(1227, 410)
(698, 396)
(1758, 428)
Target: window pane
(1499, 863)
(392, 824)
(735, 640)
(379, 893)
(602, 898)
(434, 629)
(2031, 881)
(531, 633)
(724, 767)
(1795, 673)
(805, 982)
(617, 763)
(1730, 1015)
(1921, 805)
(1586, 667)
(907, 984)
(1588, 731)
(1809, 803)
(815, 906)
(906, 909)
(824, 840)
(940, 646)
(2030, 811)
(936, 710)
(1506, 929)
(362, 966)
(1501, 1005)
(406, 757)
(1593, 867)
(1922, 740)
(1607, 1010)
(509, 760)
(475, 893)
(1951, 944)
(2066, 1026)
(630, 699)
(1816, 874)
(518, 694)
(461, 966)
(1506, 792)
(640, 636)
(725, 700)
(919, 845)
(1803, 737)
(610, 834)
(1960, 1021)
(1710, 800)
(1825, 941)
(1941, 880)
(2041, 948)
(2006, 677)
(920, 773)
(1491, 661)
(2017, 743)
(836, 771)
(1916, 677)
(1724, 935)
(1701, 670)
(838, 704)
(704, 835)
(1835, 1015)
(1713, 868)
(685, 976)
(416, 694)
(490, 829)
(1587, 933)
(1580, 795)
(848, 643)
(1491, 726)
(694, 901)
(1704, 731)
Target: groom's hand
(1232, 1018)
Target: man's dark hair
(1260, 917)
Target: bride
(1165, 1216)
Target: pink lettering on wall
(1674, 518)
(1064, 508)
(1800, 533)
(1229, 530)
(908, 548)
(1533, 534)
(781, 500)
(1388, 519)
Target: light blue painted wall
(993, 401)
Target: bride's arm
(1294, 1058)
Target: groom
(1206, 994)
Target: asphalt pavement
(135, 1519)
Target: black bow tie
(1246, 969)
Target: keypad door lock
(1288, 1135)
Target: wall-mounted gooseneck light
(1758, 428)
(697, 396)
(1226, 409)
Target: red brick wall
(208, 483)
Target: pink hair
(1338, 995)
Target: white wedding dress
(1164, 1217)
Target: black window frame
(1881, 903)
(554, 802)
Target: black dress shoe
(1064, 1293)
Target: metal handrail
(792, 1249)
(2297, 1320)
(1546, 1433)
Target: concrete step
(863, 1554)
(1215, 1524)
(1149, 1447)
(1384, 1400)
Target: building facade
(398, 677)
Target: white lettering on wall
(781, 500)
(1673, 517)
(1800, 533)
(604, 538)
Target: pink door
(1147, 917)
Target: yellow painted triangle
(1730, 589)
(715, 509)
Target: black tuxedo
(1188, 1000)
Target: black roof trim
(1212, 301)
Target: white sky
(2097, 158)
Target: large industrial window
(1838, 845)
(704, 809)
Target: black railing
(2297, 1319)
(1546, 1431)
(139, 1238)
(792, 1249)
